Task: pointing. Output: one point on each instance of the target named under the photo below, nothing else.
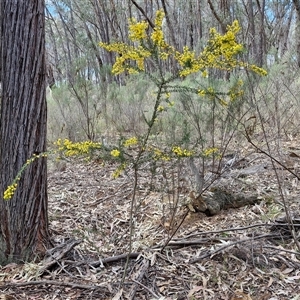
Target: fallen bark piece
(283, 224)
(221, 199)
(57, 253)
(138, 277)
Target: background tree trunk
(23, 219)
(297, 30)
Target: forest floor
(176, 253)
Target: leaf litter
(176, 253)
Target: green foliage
(9, 192)
(200, 101)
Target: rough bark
(23, 219)
(262, 36)
(297, 30)
(219, 200)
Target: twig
(282, 250)
(229, 245)
(184, 243)
(138, 277)
(226, 230)
(144, 13)
(290, 264)
(293, 262)
(57, 253)
(113, 259)
(51, 282)
(273, 160)
(146, 288)
(171, 236)
(131, 222)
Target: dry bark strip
(211, 253)
(283, 225)
(138, 277)
(57, 253)
(113, 259)
(221, 199)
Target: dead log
(221, 199)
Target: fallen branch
(57, 253)
(184, 242)
(138, 276)
(235, 229)
(146, 288)
(113, 259)
(281, 250)
(211, 253)
(51, 282)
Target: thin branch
(218, 18)
(146, 288)
(113, 259)
(171, 236)
(137, 277)
(270, 156)
(52, 282)
(280, 189)
(231, 229)
(211, 253)
(144, 13)
(184, 243)
(281, 250)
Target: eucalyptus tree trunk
(252, 43)
(23, 218)
(262, 36)
(297, 30)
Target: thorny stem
(131, 223)
(286, 208)
(176, 229)
(136, 169)
(273, 160)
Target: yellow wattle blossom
(128, 54)
(159, 154)
(160, 108)
(178, 151)
(236, 90)
(210, 92)
(221, 51)
(258, 70)
(137, 30)
(205, 74)
(132, 71)
(118, 171)
(187, 60)
(9, 192)
(130, 142)
(76, 149)
(171, 103)
(157, 35)
(164, 55)
(201, 92)
(210, 151)
(115, 153)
